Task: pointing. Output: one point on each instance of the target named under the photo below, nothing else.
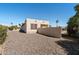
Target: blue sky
(17, 12)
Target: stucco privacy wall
(51, 31)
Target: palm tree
(19, 25)
(12, 23)
(57, 21)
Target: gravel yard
(31, 44)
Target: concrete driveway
(30, 44)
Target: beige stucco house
(31, 25)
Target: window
(33, 26)
(44, 25)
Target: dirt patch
(31, 44)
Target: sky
(18, 12)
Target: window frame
(33, 26)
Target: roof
(36, 20)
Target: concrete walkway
(21, 44)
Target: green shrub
(73, 23)
(11, 28)
(3, 33)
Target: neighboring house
(31, 25)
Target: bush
(3, 34)
(11, 28)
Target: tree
(73, 23)
(57, 21)
(11, 23)
(19, 25)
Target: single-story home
(41, 26)
(31, 25)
